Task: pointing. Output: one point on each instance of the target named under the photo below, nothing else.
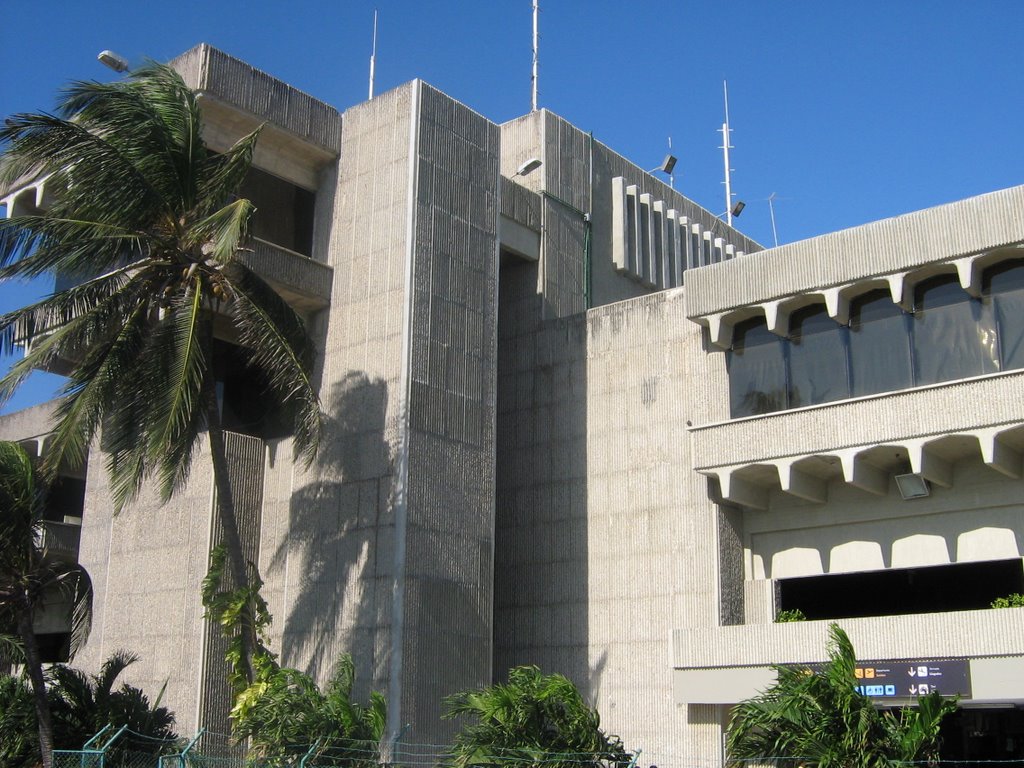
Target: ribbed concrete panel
(596, 542)
(209, 70)
(901, 243)
(329, 540)
(305, 282)
(925, 636)
(927, 411)
(245, 461)
(448, 567)
(147, 565)
(520, 204)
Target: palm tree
(83, 704)
(533, 720)
(27, 575)
(819, 719)
(150, 221)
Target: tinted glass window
(818, 368)
(757, 370)
(954, 336)
(1005, 285)
(879, 345)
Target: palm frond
(274, 339)
(224, 230)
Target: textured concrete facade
(530, 456)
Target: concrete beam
(776, 316)
(800, 484)
(925, 463)
(741, 491)
(969, 272)
(999, 456)
(860, 474)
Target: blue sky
(848, 112)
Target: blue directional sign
(910, 678)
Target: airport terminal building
(575, 420)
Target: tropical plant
(81, 706)
(19, 731)
(819, 719)
(534, 719)
(1013, 600)
(284, 715)
(149, 221)
(27, 575)
(793, 614)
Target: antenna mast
(536, 43)
(726, 146)
(373, 52)
(771, 209)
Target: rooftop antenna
(771, 209)
(671, 176)
(373, 52)
(536, 43)
(726, 146)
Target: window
(954, 336)
(879, 342)
(1004, 287)
(818, 360)
(757, 370)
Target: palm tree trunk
(34, 665)
(228, 521)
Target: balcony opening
(284, 211)
(247, 406)
(65, 499)
(895, 592)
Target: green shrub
(795, 614)
(1016, 600)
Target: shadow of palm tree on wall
(339, 539)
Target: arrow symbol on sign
(913, 689)
(912, 671)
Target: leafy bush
(19, 736)
(1015, 600)
(81, 705)
(794, 614)
(283, 712)
(533, 720)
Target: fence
(123, 748)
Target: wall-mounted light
(913, 486)
(529, 166)
(114, 61)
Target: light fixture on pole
(667, 165)
(114, 61)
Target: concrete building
(575, 420)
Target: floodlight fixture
(913, 486)
(114, 61)
(667, 165)
(738, 208)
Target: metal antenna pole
(536, 45)
(671, 176)
(771, 209)
(725, 154)
(373, 52)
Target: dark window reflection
(818, 365)
(757, 370)
(1004, 284)
(954, 335)
(949, 336)
(879, 345)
